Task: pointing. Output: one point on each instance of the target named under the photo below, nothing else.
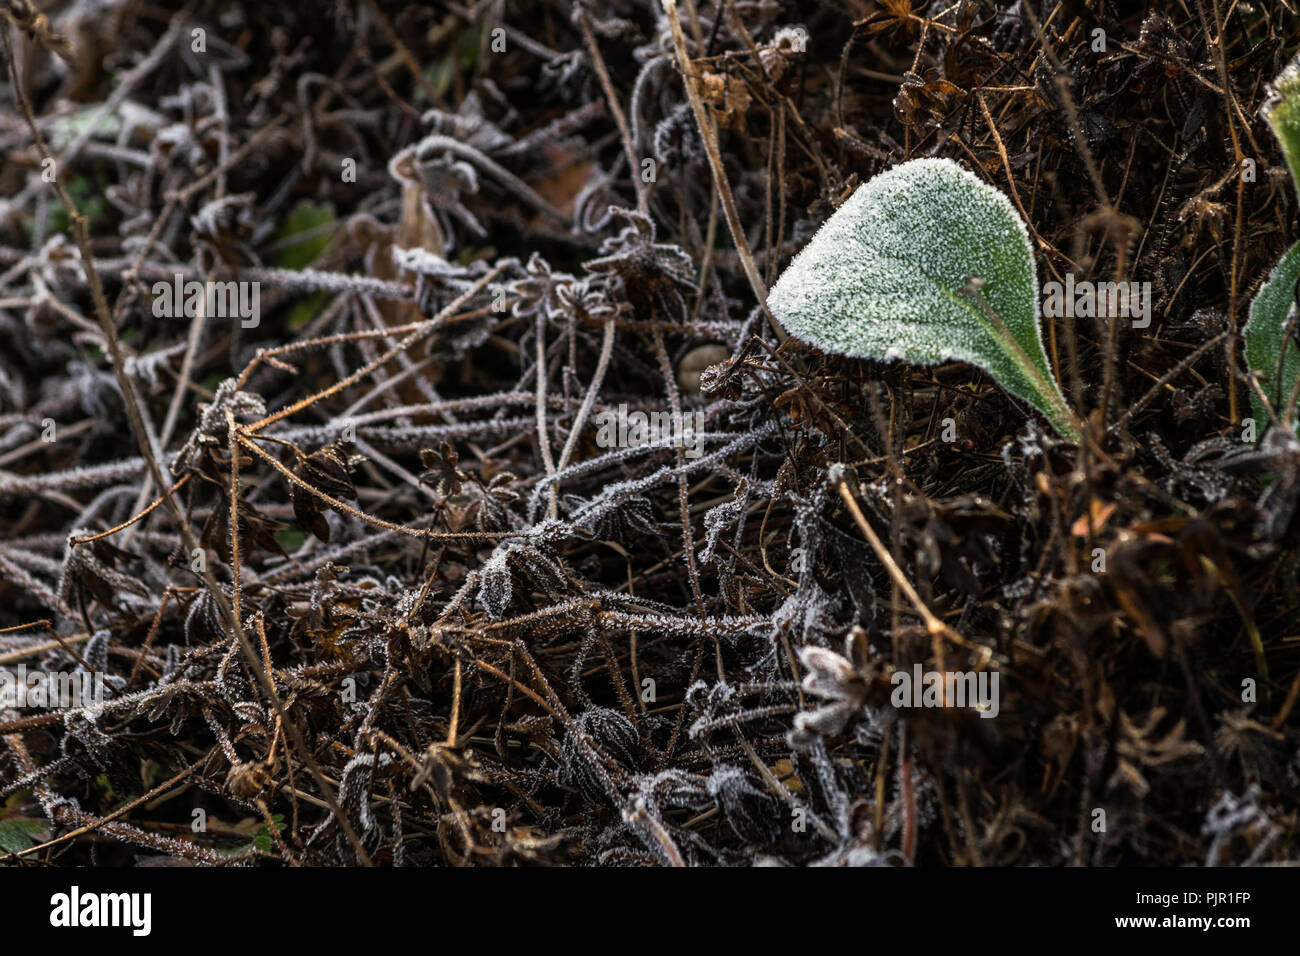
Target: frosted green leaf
(1266, 337)
(1282, 110)
(1266, 332)
(884, 278)
(17, 835)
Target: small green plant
(1271, 352)
(926, 263)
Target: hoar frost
(884, 278)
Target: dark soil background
(498, 642)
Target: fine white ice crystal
(884, 278)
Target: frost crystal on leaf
(884, 279)
(1282, 110)
(1267, 335)
(1268, 331)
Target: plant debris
(393, 433)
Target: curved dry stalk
(612, 98)
(933, 624)
(137, 517)
(719, 175)
(539, 406)
(580, 420)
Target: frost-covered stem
(590, 465)
(32, 650)
(139, 515)
(85, 476)
(236, 585)
(271, 355)
(64, 813)
(1238, 225)
(612, 495)
(638, 812)
(593, 389)
(685, 625)
(688, 536)
(543, 441)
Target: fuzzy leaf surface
(1266, 336)
(883, 276)
(1282, 110)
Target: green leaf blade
(882, 279)
(1282, 110)
(19, 834)
(1265, 335)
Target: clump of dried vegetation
(365, 587)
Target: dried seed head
(694, 363)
